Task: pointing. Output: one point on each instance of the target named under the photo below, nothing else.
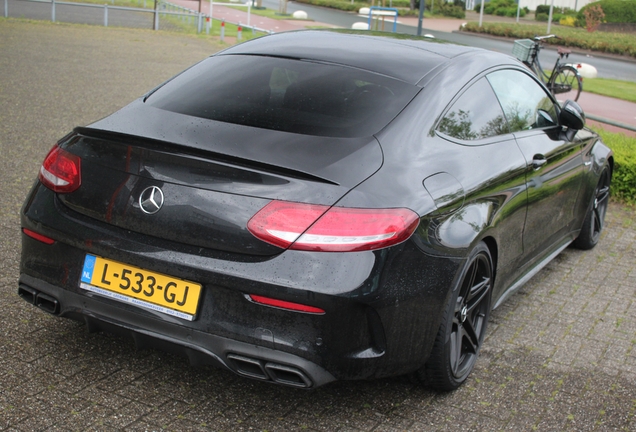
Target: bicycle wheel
(566, 82)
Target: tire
(463, 326)
(595, 217)
(566, 81)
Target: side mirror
(572, 115)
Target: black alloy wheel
(595, 217)
(463, 325)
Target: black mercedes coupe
(316, 206)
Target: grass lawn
(625, 90)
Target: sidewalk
(609, 108)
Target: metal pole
(249, 12)
(222, 30)
(610, 122)
(550, 17)
(53, 10)
(239, 32)
(156, 20)
(199, 23)
(420, 18)
(481, 13)
(211, 23)
(6, 8)
(518, 9)
(105, 15)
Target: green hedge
(542, 13)
(624, 176)
(614, 43)
(616, 11)
(562, 11)
(502, 8)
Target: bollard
(105, 15)
(53, 10)
(6, 8)
(207, 25)
(222, 30)
(239, 33)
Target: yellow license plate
(143, 288)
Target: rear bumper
(201, 348)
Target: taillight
(39, 237)
(60, 171)
(282, 304)
(331, 229)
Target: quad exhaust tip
(43, 301)
(268, 371)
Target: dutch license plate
(143, 288)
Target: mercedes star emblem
(151, 200)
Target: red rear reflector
(282, 304)
(331, 229)
(38, 237)
(60, 171)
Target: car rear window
(287, 95)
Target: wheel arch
(493, 248)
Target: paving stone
(559, 355)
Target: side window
(525, 103)
(475, 115)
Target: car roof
(399, 56)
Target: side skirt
(530, 273)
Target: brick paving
(560, 355)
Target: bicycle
(563, 79)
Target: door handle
(538, 161)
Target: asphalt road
(559, 356)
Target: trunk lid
(211, 177)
